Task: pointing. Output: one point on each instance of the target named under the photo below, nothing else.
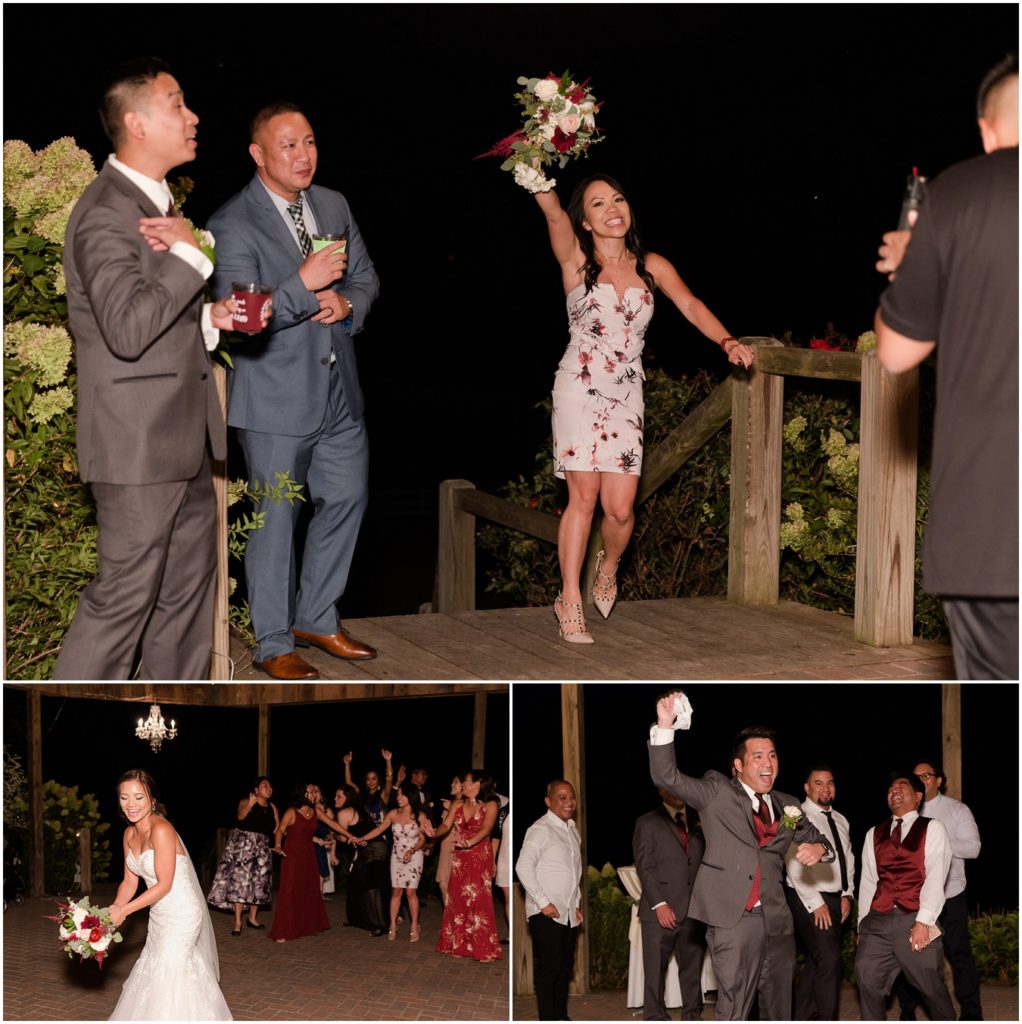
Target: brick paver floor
(341, 974)
(999, 1003)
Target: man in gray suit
(738, 892)
(146, 401)
(667, 854)
(295, 398)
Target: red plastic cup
(252, 300)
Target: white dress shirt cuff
(195, 258)
(660, 737)
(210, 334)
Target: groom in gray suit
(295, 398)
(739, 891)
(148, 415)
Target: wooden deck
(684, 638)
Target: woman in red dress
(300, 909)
(469, 928)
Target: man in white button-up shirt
(550, 870)
(905, 862)
(820, 899)
(963, 834)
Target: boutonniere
(792, 816)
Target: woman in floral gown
(609, 281)
(469, 927)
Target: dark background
(862, 731)
(764, 148)
(211, 764)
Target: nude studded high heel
(571, 624)
(604, 587)
(392, 933)
(414, 937)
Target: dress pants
(749, 962)
(333, 466)
(954, 919)
(984, 637)
(818, 988)
(686, 944)
(884, 951)
(157, 573)
(553, 961)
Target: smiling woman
(176, 976)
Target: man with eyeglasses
(954, 919)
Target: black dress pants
(553, 960)
(818, 987)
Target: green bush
(609, 917)
(995, 946)
(680, 545)
(65, 813)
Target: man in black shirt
(957, 291)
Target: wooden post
(36, 865)
(220, 662)
(85, 859)
(521, 943)
(479, 730)
(264, 739)
(754, 542)
(456, 552)
(886, 535)
(951, 721)
(573, 759)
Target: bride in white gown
(176, 976)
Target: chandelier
(154, 728)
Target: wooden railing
(754, 402)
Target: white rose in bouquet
(546, 89)
(569, 125)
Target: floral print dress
(469, 927)
(597, 397)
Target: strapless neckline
(606, 284)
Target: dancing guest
(300, 909)
(445, 858)
(374, 799)
(410, 828)
(176, 976)
(322, 840)
(500, 840)
(368, 882)
(469, 927)
(244, 876)
(609, 281)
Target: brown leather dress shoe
(287, 666)
(339, 644)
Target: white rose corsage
(792, 816)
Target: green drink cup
(320, 242)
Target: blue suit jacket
(281, 378)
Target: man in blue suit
(295, 397)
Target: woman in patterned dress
(469, 927)
(445, 858)
(410, 830)
(609, 281)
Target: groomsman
(820, 899)
(667, 855)
(738, 891)
(905, 862)
(963, 835)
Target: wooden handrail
(753, 400)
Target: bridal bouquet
(560, 123)
(86, 930)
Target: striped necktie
(295, 209)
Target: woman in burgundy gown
(300, 909)
(469, 927)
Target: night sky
(764, 149)
(862, 731)
(211, 765)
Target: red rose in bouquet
(562, 143)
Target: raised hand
(386, 755)
(347, 758)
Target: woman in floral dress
(410, 830)
(469, 927)
(609, 281)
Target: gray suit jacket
(666, 872)
(146, 397)
(280, 382)
(732, 851)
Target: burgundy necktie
(896, 832)
(679, 820)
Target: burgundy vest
(764, 834)
(901, 870)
